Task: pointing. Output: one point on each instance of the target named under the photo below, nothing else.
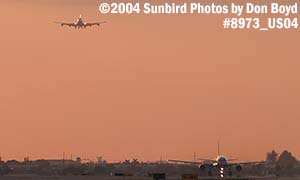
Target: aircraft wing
(65, 24)
(208, 160)
(95, 24)
(187, 162)
(232, 159)
(245, 163)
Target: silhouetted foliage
(43, 168)
(272, 157)
(286, 164)
(286, 159)
(4, 169)
(103, 169)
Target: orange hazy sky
(143, 86)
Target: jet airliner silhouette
(80, 23)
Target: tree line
(276, 164)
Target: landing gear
(230, 172)
(209, 173)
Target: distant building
(16, 165)
(61, 162)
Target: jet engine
(238, 168)
(202, 167)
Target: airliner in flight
(80, 23)
(221, 163)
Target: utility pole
(63, 161)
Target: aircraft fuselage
(80, 23)
(221, 161)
